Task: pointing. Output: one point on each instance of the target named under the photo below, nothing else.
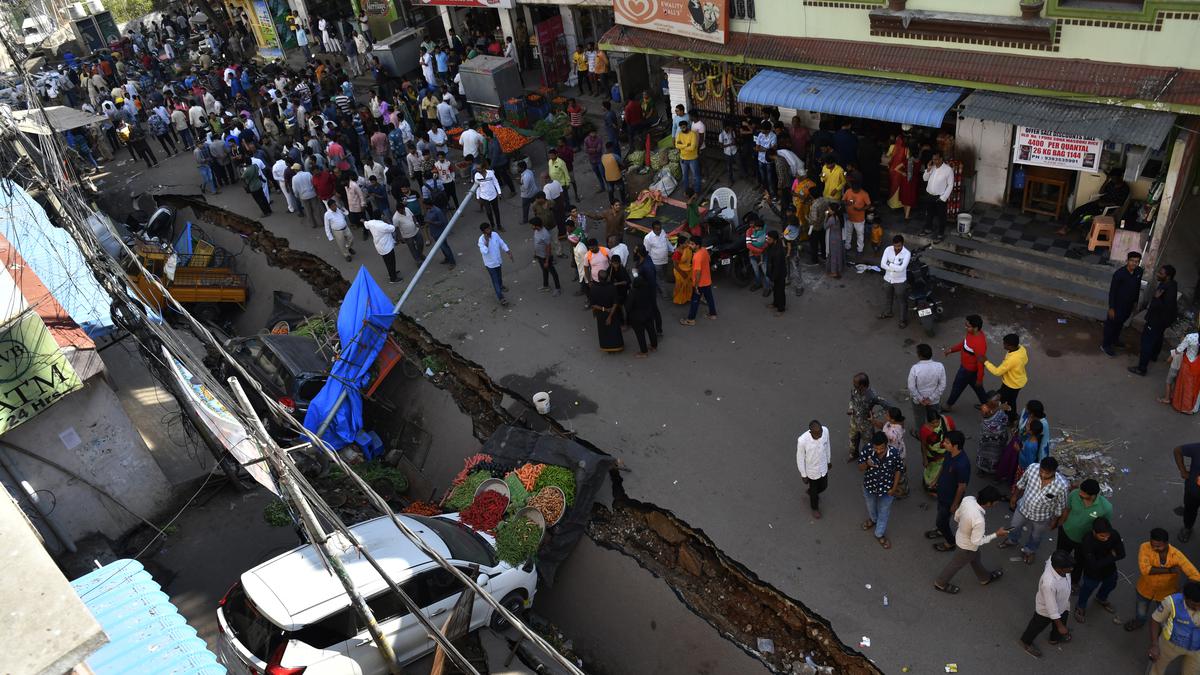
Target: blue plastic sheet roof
(146, 634)
(56, 259)
(851, 96)
(363, 323)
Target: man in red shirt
(702, 277)
(970, 372)
(635, 122)
(325, 183)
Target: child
(893, 428)
(445, 174)
(576, 222)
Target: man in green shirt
(1084, 505)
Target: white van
(289, 616)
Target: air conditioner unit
(75, 10)
(95, 6)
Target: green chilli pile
(517, 540)
(464, 493)
(561, 478)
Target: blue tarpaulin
(56, 260)
(146, 634)
(183, 245)
(363, 322)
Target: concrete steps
(1024, 275)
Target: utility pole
(316, 534)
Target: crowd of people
(1016, 460)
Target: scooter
(726, 244)
(921, 300)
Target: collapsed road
(732, 599)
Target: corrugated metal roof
(851, 96)
(1111, 123)
(981, 69)
(145, 631)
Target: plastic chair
(1103, 230)
(723, 203)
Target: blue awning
(146, 634)
(851, 96)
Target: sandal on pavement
(1027, 557)
(687, 322)
(1031, 650)
(996, 574)
(883, 541)
(933, 534)
(1005, 544)
(1079, 615)
(1107, 606)
(868, 524)
(943, 547)
(948, 588)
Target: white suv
(289, 616)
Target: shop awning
(1114, 124)
(62, 118)
(851, 96)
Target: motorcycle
(726, 244)
(921, 300)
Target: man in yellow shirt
(1011, 370)
(1160, 564)
(687, 142)
(557, 168)
(581, 69)
(834, 178)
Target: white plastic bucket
(964, 224)
(541, 401)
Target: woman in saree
(1183, 379)
(606, 309)
(835, 262)
(902, 177)
(932, 452)
(682, 259)
(1013, 460)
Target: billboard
(494, 4)
(34, 373)
(696, 19)
(1060, 151)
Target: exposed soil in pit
(717, 588)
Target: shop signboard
(266, 31)
(697, 19)
(33, 371)
(377, 7)
(1060, 151)
(494, 4)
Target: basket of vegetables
(518, 538)
(559, 477)
(493, 485)
(551, 503)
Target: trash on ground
(766, 645)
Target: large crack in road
(718, 589)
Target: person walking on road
(702, 284)
(1084, 505)
(1123, 293)
(1012, 370)
(1160, 565)
(491, 247)
(777, 268)
(926, 382)
(1038, 501)
(1099, 552)
(337, 229)
(306, 193)
(543, 254)
(1160, 315)
(813, 458)
(970, 536)
(487, 189)
(951, 488)
(252, 181)
(1190, 474)
(863, 401)
(895, 279)
(1174, 633)
(881, 467)
(384, 237)
(1052, 604)
(972, 353)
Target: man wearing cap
(1174, 633)
(1052, 604)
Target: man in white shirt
(926, 384)
(1052, 603)
(616, 247)
(337, 229)
(660, 248)
(278, 171)
(813, 460)
(895, 280)
(491, 246)
(765, 140)
(939, 183)
(968, 538)
(447, 114)
(382, 234)
(471, 141)
(698, 127)
(406, 224)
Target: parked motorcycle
(726, 243)
(921, 298)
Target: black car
(290, 369)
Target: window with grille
(741, 9)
